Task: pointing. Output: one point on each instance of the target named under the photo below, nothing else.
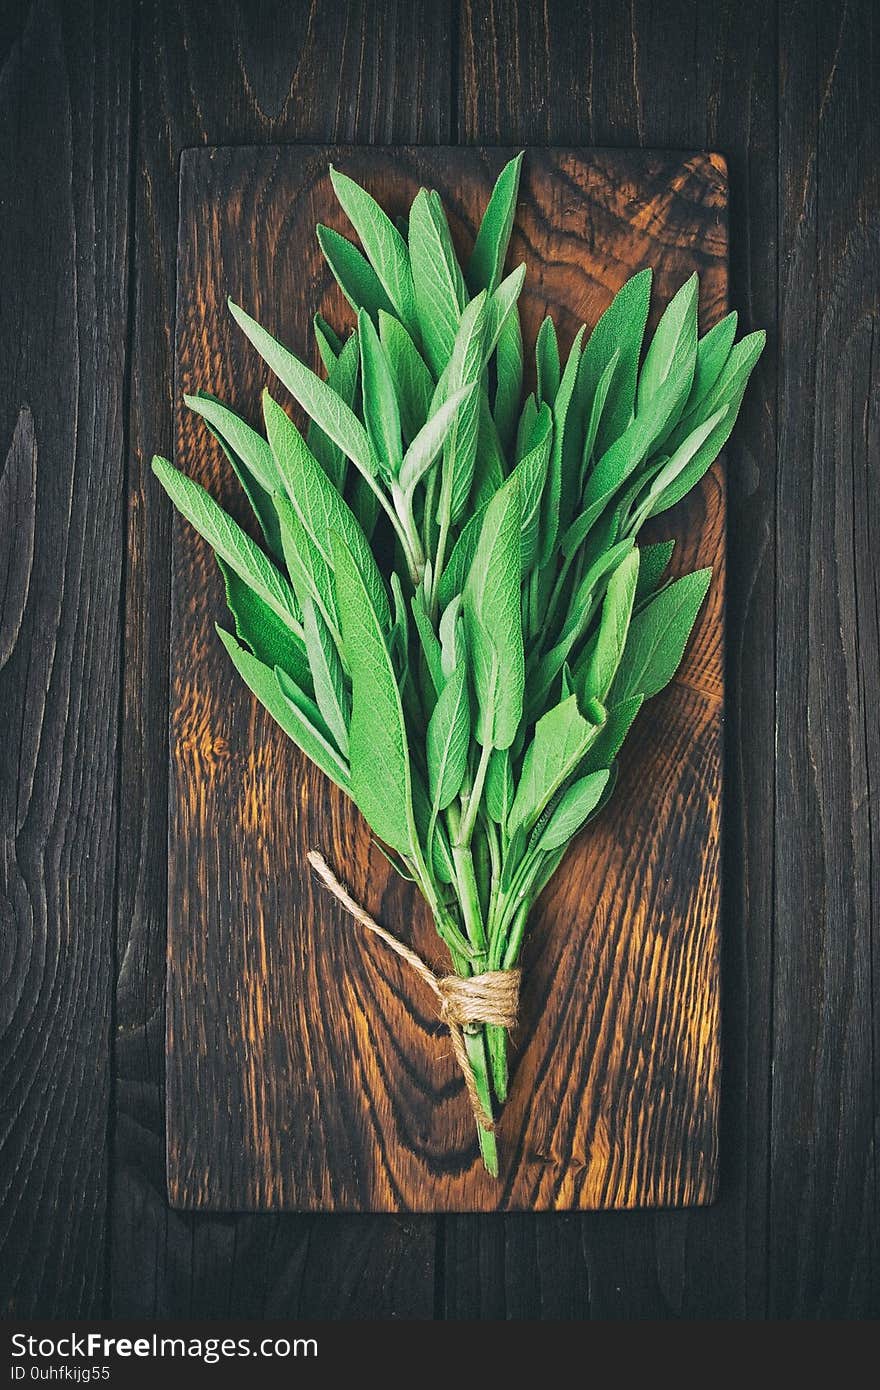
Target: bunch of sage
(447, 609)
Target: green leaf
(728, 388)
(618, 722)
(563, 473)
(562, 737)
(453, 647)
(322, 511)
(657, 637)
(575, 807)
(353, 273)
(674, 341)
(460, 449)
(380, 399)
(249, 446)
(652, 567)
(342, 378)
(617, 609)
(448, 739)
(547, 361)
(428, 639)
(627, 454)
(380, 768)
(227, 538)
(683, 470)
(310, 575)
(454, 576)
(328, 340)
(509, 372)
(436, 278)
(530, 476)
(597, 407)
(259, 498)
(489, 463)
(490, 248)
(412, 380)
(620, 329)
(500, 787)
(580, 613)
(431, 438)
(493, 622)
(527, 421)
(328, 680)
(265, 683)
(501, 307)
(260, 628)
(713, 350)
(316, 397)
(382, 242)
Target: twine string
(491, 997)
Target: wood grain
(339, 1091)
(64, 110)
(676, 76)
(791, 98)
(208, 73)
(823, 1133)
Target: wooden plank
(64, 110)
(527, 73)
(336, 1093)
(208, 74)
(823, 1246)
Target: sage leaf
(490, 248)
(379, 749)
(448, 739)
(713, 350)
(227, 538)
(675, 340)
(436, 281)
(328, 340)
(489, 463)
(547, 361)
(493, 622)
(652, 567)
(429, 441)
(500, 787)
(353, 273)
(322, 511)
(383, 243)
(562, 737)
(509, 372)
(263, 682)
(621, 329)
(563, 474)
(342, 378)
(619, 720)
(573, 810)
(611, 634)
(381, 413)
(412, 380)
(460, 449)
(326, 408)
(501, 306)
(328, 680)
(657, 637)
(259, 627)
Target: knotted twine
(491, 997)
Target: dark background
(96, 103)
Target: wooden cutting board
(306, 1067)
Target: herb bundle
(448, 611)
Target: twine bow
(491, 997)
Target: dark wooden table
(96, 103)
